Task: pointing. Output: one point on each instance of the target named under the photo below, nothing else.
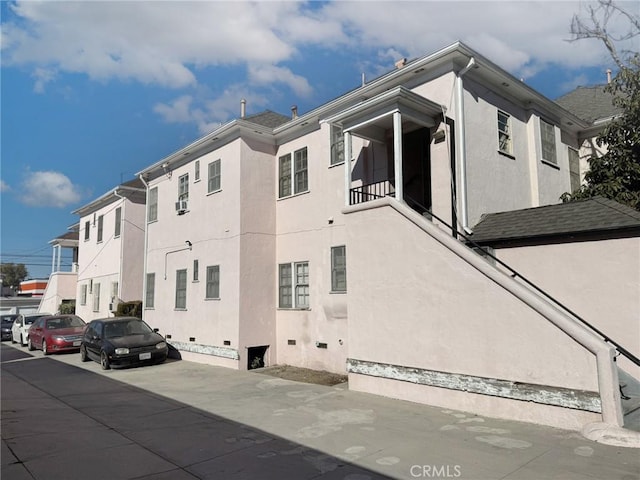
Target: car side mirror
(156, 330)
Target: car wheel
(44, 348)
(83, 354)
(104, 361)
(29, 344)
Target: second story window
(504, 133)
(574, 169)
(183, 188)
(337, 145)
(548, 142)
(100, 225)
(153, 205)
(293, 172)
(118, 221)
(87, 229)
(214, 177)
(196, 173)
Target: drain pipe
(462, 148)
(146, 243)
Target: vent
(181, 206)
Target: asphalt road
(62, 419)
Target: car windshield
(30, 320)
(122, 328)
(64, 322)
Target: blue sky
(93, 92)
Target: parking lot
(62, 419)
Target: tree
(616, 173)
(13, 274)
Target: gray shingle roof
(594, 215)
(589, 103)
(268, 119)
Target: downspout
(462, 148)
(120, 276)
(146, 243)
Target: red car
(56, 333)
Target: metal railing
(515, 274)
(371, 191)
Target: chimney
(294, 112)
(608, 75)
(401, 63)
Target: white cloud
(270, 75)
(177, 111)
(48, 189)
(4, 187)
(42, 76)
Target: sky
(93, 92)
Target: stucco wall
(414, 303)
(133, 226)
(61, 286)
(599, 280)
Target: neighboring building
(595, 107)
(61, 286)
(33, 287)
(111, 251)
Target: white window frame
(183, 188)
(505, 140)
(196, 270)
(87, 230)
(100, 228)
(196, 173)
(214, 176)
(151, 291)
(96, 297)
(339, 269)
(293, 173)
(181, 289)
(153, 205)
(118, 229)
(83, 294)
(114, 291)
(548, 142)
(574, 168)
(293, 285)
(337, 145)
(213, 282)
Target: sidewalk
(333, 432)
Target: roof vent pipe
(294, 112)
(461, 149)
(608, 75)
(243, 108)
(401, 63)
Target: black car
(122, 341)
(7, 323)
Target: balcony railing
(371, 191)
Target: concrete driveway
(62, 419)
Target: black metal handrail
(515, 274)
(370, 191)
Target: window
(100, 225)
(214, 177)
(96, 297)
(195, 270)
(337, 145)
(338, 269)
(293, 285)
(118, 221)
(114, 291)
(153, 205)
(83, 294)
(181, 288)
(504, 133)
(284, 174)
(548, 141)
(213, 282)
(196, 175)
(87, 228)
(301, 174)
(574, 169)
(91, 286)
(297, 171)
(183, 187)
(151, 290)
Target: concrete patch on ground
(504, 442)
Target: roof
(589, 103)
(593, 215)
(68, 236)
(268, 119)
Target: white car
(21, 325)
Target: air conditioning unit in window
(113, 306)
(181, 206)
